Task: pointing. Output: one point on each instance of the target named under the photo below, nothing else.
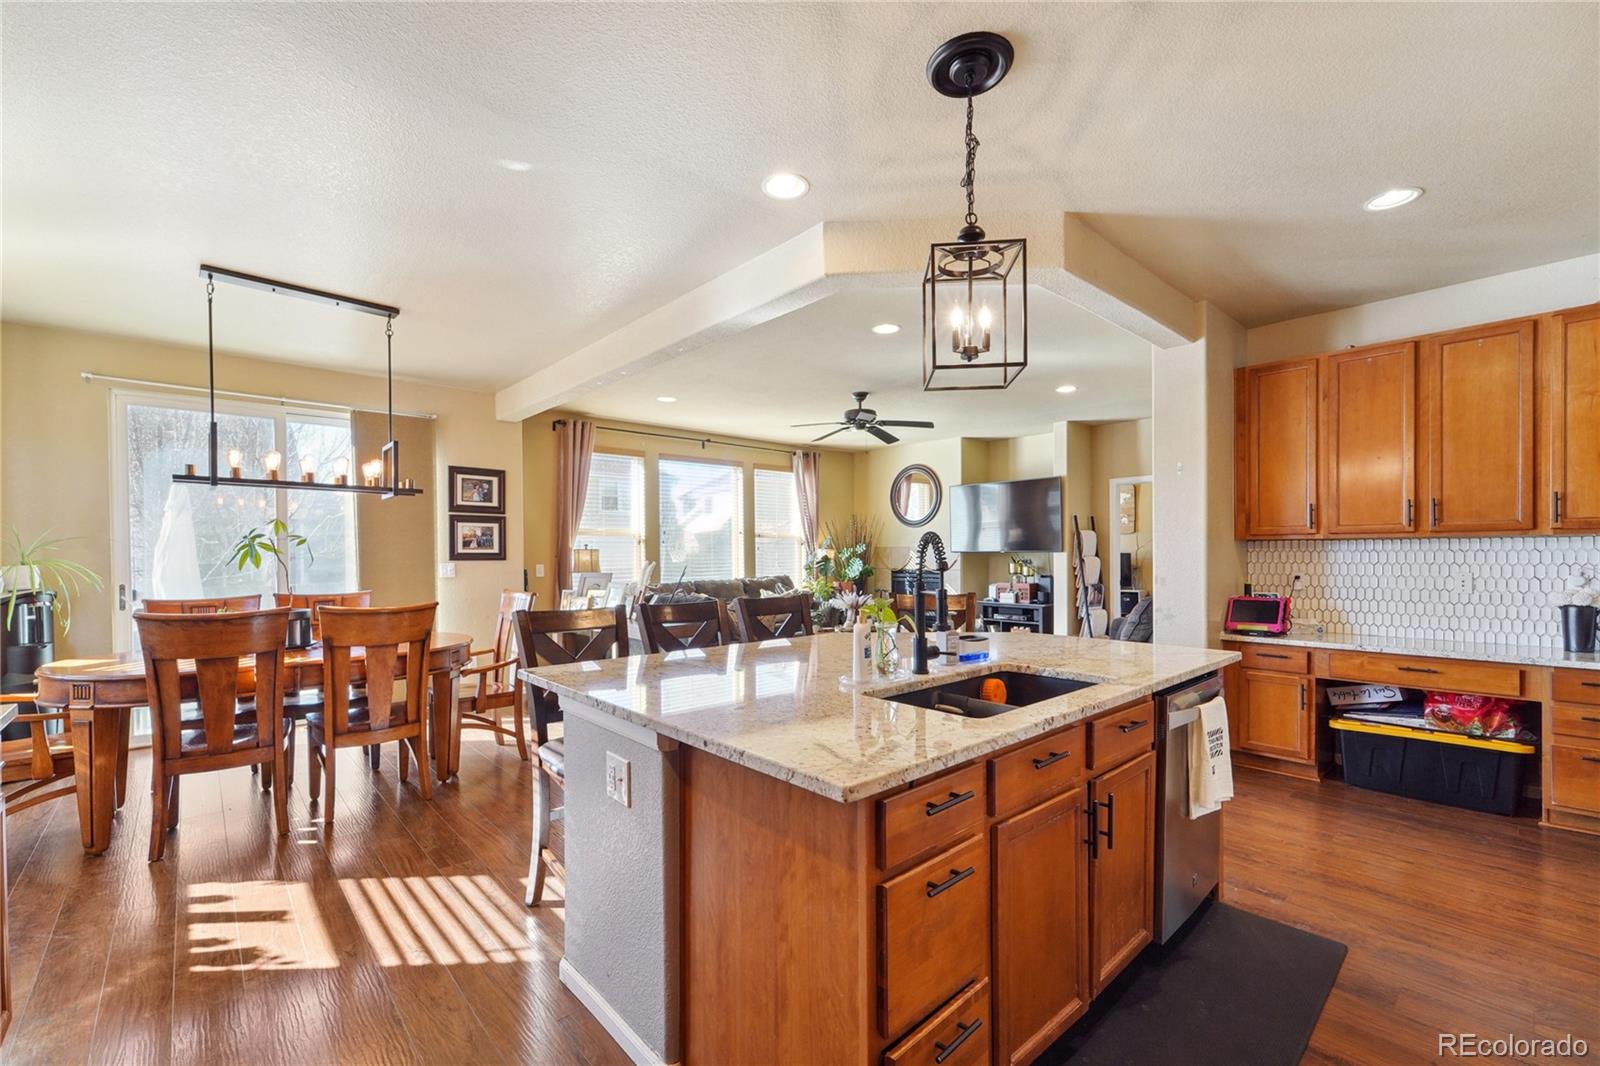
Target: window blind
(779, 541)
(613, 514)
(702, 509)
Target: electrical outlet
(538, 570)
(619, 779)
(447, 569)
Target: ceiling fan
(865, 418)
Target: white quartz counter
(778, 707)
(1538, 654)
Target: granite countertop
(779, 706)
(1545, 653)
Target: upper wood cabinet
(1478, 413)
(1277, 439)
(1572, 361)
(1369, 412)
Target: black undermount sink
(961, 697)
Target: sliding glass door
(174, 541)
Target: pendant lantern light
(974, 290)
(381, 476)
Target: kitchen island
(787, 868)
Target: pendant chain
(968, 181)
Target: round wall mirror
(914, 497)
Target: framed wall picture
(475, 537)
(477, 490)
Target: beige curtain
(574, 449)
(805, 483)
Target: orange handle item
(993, 689)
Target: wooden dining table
(100, 695)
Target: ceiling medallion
(974, 290)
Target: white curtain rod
(281, 401)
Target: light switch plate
(619, 779)
(447, 569)
(538, 570)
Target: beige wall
(1118, 449)
(56, 459)
(394, 538)
(835, 484)
(875, 471)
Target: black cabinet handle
(1555, 508)
(1419, 670)
(1271, 655)
(955, 878)
(1433, 511)
(955, 798)
(1590, 684)
(1590, 758)
(1055, 757)
(1128, 727)
(1311, 516)
(1095, 832)
(1302, 696)
(1589, 718)
(1093, 840)
(966, 1030)
(1410, 517)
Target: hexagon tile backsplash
(1493, 590)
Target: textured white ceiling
(803, 367)
(353, 146)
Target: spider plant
(36, 565)
(258, 543)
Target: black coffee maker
(27, 642)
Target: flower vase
(885, 649)
(1577, 627)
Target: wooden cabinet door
(1279, 420)
(1479, 416)
(1276, 718)
(1369, 412)
(1041, 925)
(1573, 357)
(1122, 867)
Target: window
(613, 515)
(702, 527)
(780, 545)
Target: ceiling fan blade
(903, 422)
(887, 438)
(825, 436)
(813, 425)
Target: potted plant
(885, 629)
(43, 584)
(275, 539)
(1578, 602)
(851, 550)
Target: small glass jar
(885, 649)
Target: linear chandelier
(379, 476)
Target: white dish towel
(1210, 768)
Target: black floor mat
(1231, 988)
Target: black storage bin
(1442, 768)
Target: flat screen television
(1007, 516)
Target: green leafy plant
(881, 610)
(35, 565)
(274, 539)
(850, 548)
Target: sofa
(725, 589)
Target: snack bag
(1476, 716)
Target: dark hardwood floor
(1455, 921)
(400, 936)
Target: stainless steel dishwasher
(1187, 849)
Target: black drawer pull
(1128, 727)
(946, 1050)
(1589, 717)
(1590, 758)
(955, 878)
(1093, 811)
(1109, 803)
(1419, 669)
(1057, 756)
(1590, 684)
(955, 798)
(1271, 655)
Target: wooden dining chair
(314, 601)
(47, 757)
(496, 687)
(550, 638)
(681, 626)
(206, 605)
(227, 724)
(962, 608)
(773, 617)
(391, 637)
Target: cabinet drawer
(1019, 779)
(958, 1034)
(1575, 721)
(1448, 675)
(1121, 734)
(1576, 686)
(1575, 777)
(931, 815)
(934, 933)
(1285, 660)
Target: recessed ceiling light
(666, 399)
(886, 328)
(1385, 201)
(1064, 389)
(785, 186)
(515, 165)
